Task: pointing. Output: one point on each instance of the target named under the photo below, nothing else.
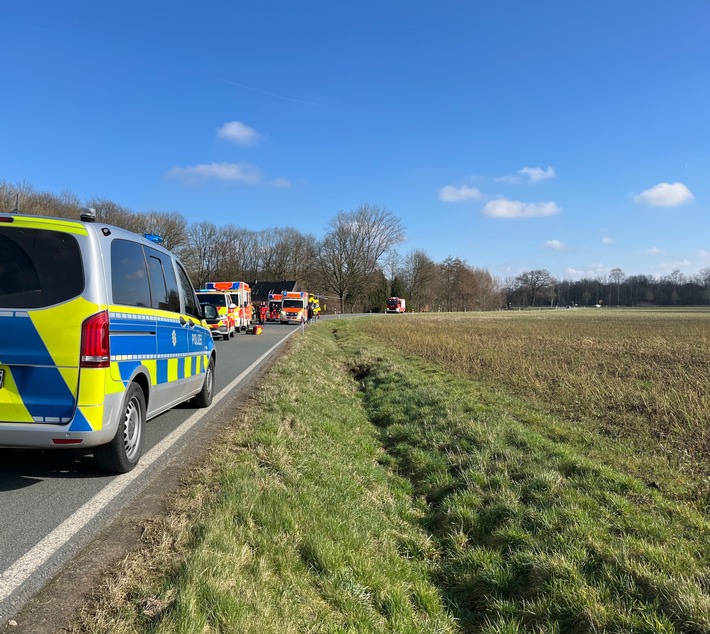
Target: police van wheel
(123, 452)
(204, 396)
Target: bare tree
(353, 247)
(112, 213)
(202, 252)
(534, 283)
(420, 273)
(617, 276)
(490, 291)
(704, 281)
(240, 254)
(676, 279)
(170, 226)
(392, 262)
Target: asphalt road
(56, 505)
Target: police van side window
(163, 283)
(192, 307)
(129, 274)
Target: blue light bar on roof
(153, 237)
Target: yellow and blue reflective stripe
(40, 385)
(168, 368)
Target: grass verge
(294, 527)
(365, 491)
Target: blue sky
(571, 136)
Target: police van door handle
(183, 321)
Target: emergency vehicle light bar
(223, 286)
(153, 237)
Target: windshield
(215, 299)
(293, 303)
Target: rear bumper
(56, 436)
(43, 436)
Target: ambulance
(225, 323)
(241, 294)
(294, 307)
(273, 312)
(100, 331)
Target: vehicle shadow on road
(21, 468)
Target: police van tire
(204, 397)
(124, 451)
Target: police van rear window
(38, 268)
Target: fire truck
(294, 307)
(241, 293)
(396, 305)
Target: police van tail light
(94, 341)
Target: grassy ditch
(366, 491)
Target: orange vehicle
(224, 324)
(274, 307)
(241, 294)
(294, 307)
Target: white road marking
(19, 572)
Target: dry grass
(366, 490)
(634, 373)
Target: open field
(641, 375)
(381, 481)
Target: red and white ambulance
(294, 307)
(241, 294)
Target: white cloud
(554, 244)
(591, 271)
(537, 174)
(529, 175)
(451, 194)
(281, 183)
(239, 133)
(607, 240)
(682, 265)
(239, 172)
(655, 251)
(705, 255)
(665, 195)
(504, 208)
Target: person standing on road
(310, 312)
(262, 313)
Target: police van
(100, 330)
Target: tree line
(539, 288)
(356, 265)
